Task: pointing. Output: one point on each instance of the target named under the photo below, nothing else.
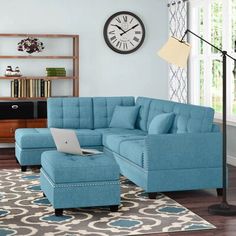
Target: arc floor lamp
(176, 52)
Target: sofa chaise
(187, 156)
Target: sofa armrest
(215, 128)
(183, 151)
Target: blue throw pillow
(161, 123)
(124, 117)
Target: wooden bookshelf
(9, 125)
(74, 57)
(39, 35)
(37, 77)
(37, 57)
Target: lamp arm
(218, 49)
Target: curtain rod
(175, 2)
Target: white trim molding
(231, 160)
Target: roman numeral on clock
(112, 32)
(137, 32)
(125, 18)
(131, 43)
(125, 46)
(118, 44)
(113, 38)
(118, 19)
(136, 39)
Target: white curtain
(178, 84)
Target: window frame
(208, 56)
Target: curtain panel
(178, 83)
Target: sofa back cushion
(124, 117)
(71, 113)
(188, 118)
(142, 118)
(103, 108)
(161, 123)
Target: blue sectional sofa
(188, 156)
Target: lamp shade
(175, 52)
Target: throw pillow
(161, 123)
(124, 117)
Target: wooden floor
(196, 201)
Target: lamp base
(222, 209)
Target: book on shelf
(42, 84)
(54, 71)
(30, 88)
(12, 89)
(15, 92)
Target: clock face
(124, 32)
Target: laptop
(66, 141)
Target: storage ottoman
(71, 181)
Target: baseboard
(231, 160)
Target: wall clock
(124, 32)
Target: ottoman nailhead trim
(65, 185)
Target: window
(215, 21)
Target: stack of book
(33, 88)
(58, 72)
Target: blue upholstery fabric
(113, 141)
(183, 151)
(215, 128)
(124, 117)
(188, 157)
(30, 156)
(142, 118)
(103, 108)
(121, 131)
(66, 168)
(70, 113)
(34, 138)
(161, 124)
(171, 179)
(85, 194)
(113, 136)
(188, 118)
(133, 150)
(71, 181)
(42, 138)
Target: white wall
(102, 71)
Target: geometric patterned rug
(24, 211)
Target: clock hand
(118, 27)
(129, 29)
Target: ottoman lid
(66, 168)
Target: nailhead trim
(67, 185)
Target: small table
(72, 181)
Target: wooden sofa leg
(219, 192)
(114, 208)
(23, 168)
(58, 212)
(152, 195)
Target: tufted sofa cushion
(63, 168)
(84, 113)
(42, 138)
(188, 118)
(103, 108)
(70, 113)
